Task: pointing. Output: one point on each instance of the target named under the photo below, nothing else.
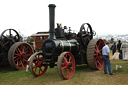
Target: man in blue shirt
(106, 57)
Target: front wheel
(37, 64)
(66, 65)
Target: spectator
(106, 58)
(124, 50)
(119, 46)
(119, 49)
(113, 48)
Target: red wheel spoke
(71, 68)
(66, 55)
(19, 50)
(21, 47)
(25, 52)
(100, 56)
(18, 62)
(26, 57)
(100, 50)
(25, 60)
(96, 50)
(96, 58)
(39, 70)
(63, 64)
(69, 59)
(35, 69)
(37, 58)
(16, 54)
(96, 47)
(42, 59)
(63, 67)
(28, 54)
(26, 49)
(67, 72)
(65, 59)
(99, 63)
(21, 63)
(99, 44)
(17, 59)
(95, 54)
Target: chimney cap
(51, 5)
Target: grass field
(83, 76)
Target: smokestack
(52, 21)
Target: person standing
(119, 46)
(106, 59)
(124, 50)
(113, 48)
(119, 49)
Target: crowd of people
(122, 49)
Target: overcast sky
(31, 16)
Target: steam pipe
(52, 21)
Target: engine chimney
(52, 21)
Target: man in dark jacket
(119, 50)
(119, 46)
(113, 48)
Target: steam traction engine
(67, 49)
(13, 51)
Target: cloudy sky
(31, 16)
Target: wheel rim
(66, 65)
(98, 54)
(19, 54)
(37, 64)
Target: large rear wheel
(19, 54)
(94, 54)
(66, 65)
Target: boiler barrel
(56, 47)
(69, 45)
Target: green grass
(83, 76)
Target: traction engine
(66, 49)
(13, 51)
